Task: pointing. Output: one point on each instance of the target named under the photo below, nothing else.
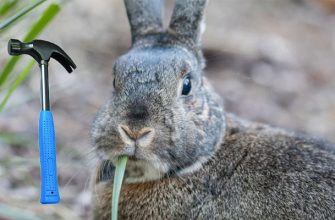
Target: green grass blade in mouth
(118, 177)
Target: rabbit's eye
(114, 83)
(186, 85)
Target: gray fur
(186, 19)
(145, 17)
(211, 165)
(259, 172)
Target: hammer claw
(65, 60)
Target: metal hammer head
(41, 50)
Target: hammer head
(41, 50)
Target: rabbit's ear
(187, 19)
(145, 17)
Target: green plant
(120, 168)
(8, 5)
(47, 16)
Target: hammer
(42, 51)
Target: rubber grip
(47, 140)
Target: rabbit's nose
(138, 112)
(142, 137)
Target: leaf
(18, 15)
(35, 30)
(44, 20)
(118, 177)
(8, 69)
(7, 6)
(18, 81)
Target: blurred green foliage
(9, 7)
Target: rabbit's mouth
(133, 158)
(138, 171)
(142, 166)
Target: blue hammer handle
(47, 141)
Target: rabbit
(188, 158)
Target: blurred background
(272, 61)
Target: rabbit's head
(162, 112)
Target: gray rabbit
(188, 159)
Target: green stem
(22, 76)
(18, 15)
(118, 177)
(35, 30)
